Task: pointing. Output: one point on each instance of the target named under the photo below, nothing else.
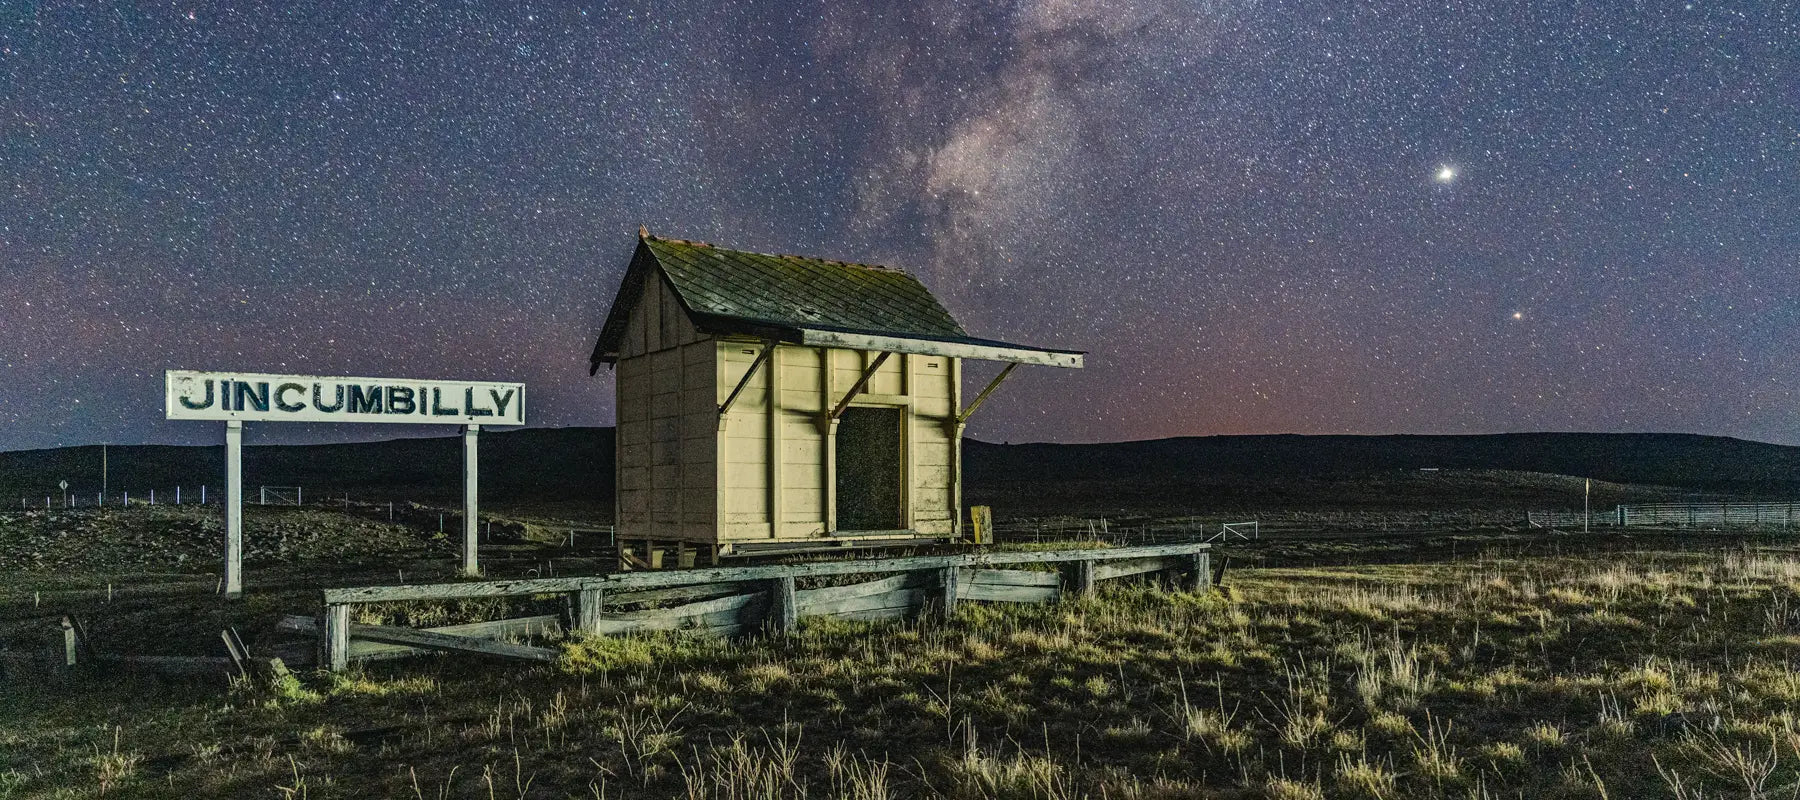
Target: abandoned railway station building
(776, 403)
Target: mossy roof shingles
(778, 296)
(799, 291)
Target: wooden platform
(717, 600)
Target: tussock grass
(1660, 674)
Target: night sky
(1287, 217)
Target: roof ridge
(796, 256)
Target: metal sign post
(235, 397)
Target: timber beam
(861, 384)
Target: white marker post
(471, 462)
(234, 508)
(235, 397)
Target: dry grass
(1655, 675)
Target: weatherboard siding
(764, 471)
(775, 476)
(665, 416)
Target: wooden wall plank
(1008, 594)
(1135, 566)
(1008, 577)
(810, 597)
(910, 600)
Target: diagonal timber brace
(768, 347)
(963, 418)
(861, 383)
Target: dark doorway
(868, 469)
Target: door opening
(868, 469)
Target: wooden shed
(779, 403)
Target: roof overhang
(974, 348)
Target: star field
(1305, 217)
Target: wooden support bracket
(861, 383)
(963, 417)
(767, 348)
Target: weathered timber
(1135, 566)
(950, 588)
(1218, 578)
(878, 614)
(587, 608)
(678, 594)
(430, 640)
(714, 575)
(704, 614)
(235, 649)
(1009, 594)
(908, 600)
(1007, 577)
(293, 623)
(336, 641)
(1199, 571)
(1081, 578)
(68, 629)
(784, 612)
(778, 606)
(451, 591)
(807, 598)
(547, 625)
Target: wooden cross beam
(861, 383)
(430, 640)
(767, 348)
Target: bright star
(1445, 174)
(1518, 315)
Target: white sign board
(247, 396)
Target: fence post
(337, 637)
(587, 609)
(783, 613)
(68, 629)
(1080, 578)
(1199, 570)
(152, 497)
(948, 578)
(178, 495)
(202, 494)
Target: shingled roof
(797, 299)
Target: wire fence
(1777, 516)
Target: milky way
(1319, 217)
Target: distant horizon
(984, 440)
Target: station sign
(258, 397)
